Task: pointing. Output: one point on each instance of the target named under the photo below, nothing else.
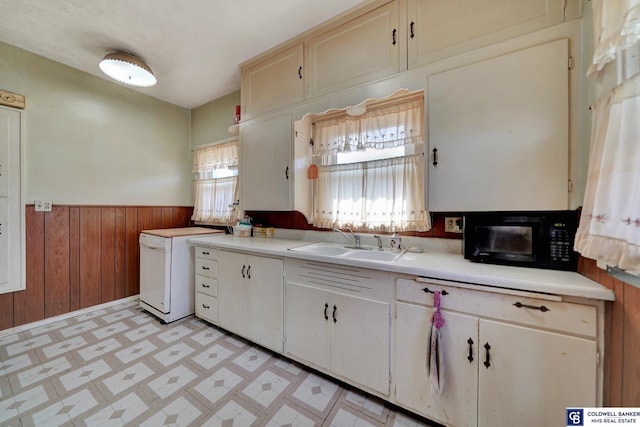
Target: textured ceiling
(193, 46)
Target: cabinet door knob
(326, 306)
(487, 355)
(470, 357)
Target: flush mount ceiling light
(127, 69)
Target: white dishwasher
(166, 271)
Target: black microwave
(539, 239)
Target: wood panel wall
(622, 347)
(81, 256)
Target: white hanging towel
(435, 359)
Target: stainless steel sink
(339, 250)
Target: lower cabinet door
(360, 348)
(264, 299)
(207, 307)
(529, 376)
(457, 405)
(232, 294)
(307, 315)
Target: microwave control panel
(560, 243)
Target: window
(371, 167)
(216, 183)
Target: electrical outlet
(453, 224)
(43, 206)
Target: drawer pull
(249, 272)
(205, 306)
(429, 291)
(542, 308)
(206, 286)
(335, 309)
(326, 306)
(487, 357)
(470, 357)
(205, 268)
(242, 272)
(205, 253)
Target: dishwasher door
(155, 272)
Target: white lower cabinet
(495, 373)
(250, 297)
(339, 331)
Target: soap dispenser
(395, 241)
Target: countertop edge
(443, 266)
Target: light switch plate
(43, 206)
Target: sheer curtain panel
(610, 222)
(216, 183)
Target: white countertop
(444, 266)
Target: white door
(307, 314)
(11, 208)
(457, 405)
(265, 294)
(232, 302)
(360, 348)
(155, 272)
(529, 376)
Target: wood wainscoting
(622, 335)
(81, 256)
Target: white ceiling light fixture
(127, 69)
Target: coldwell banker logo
(575, 417)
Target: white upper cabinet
(440, 29)
(498, 132)
(273, 83)
(359, 51)
(265, 163)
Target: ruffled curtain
(371, 170)
(216, 183)
(610, 223)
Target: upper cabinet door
(501, 131)
(441, 29)
(362, 50)
(276, 82)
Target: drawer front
(206, 285)
(561, 316)
(207, 268)
(207, 307)
(206, 253)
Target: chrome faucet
(379, 239)
(356, 237)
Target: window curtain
(380, 187)
(216, 183)
(609, 228)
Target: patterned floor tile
(403, 420)
(135, 351)
(231, 414)
(42, 372)
(17, 363)
(112, 329)
(118, 315)
(212, 356)
(173, 354)
(289, 366)
(365, 403)
(207, 336)
(128, 378)
(252, 359)
(13, 406)
(172, 381)
(345, 418)
(290, 416)
(180, 412)
(175, 333)
(317, 393)
(28, 344)
(49, 327)
(119, 413)
(218, 385)
(266, 388)
(99, 349)
(65, 410)
(84, 374)
(142, 318)
(144, 331)
(78, 328)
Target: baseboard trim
(44, 322)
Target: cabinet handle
(435, 157)
(286, 173)
(542, 308)
(393, 36)
(487, 357)
(249, 272)
(206, 286)
(205, 268)
(242, 272)
(205, 306)
(335, 309)
(470, 357)
(326, 306)
(300, 72)
(429, 291)
(205, 253)
(411, 32)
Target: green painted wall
(210, 122)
